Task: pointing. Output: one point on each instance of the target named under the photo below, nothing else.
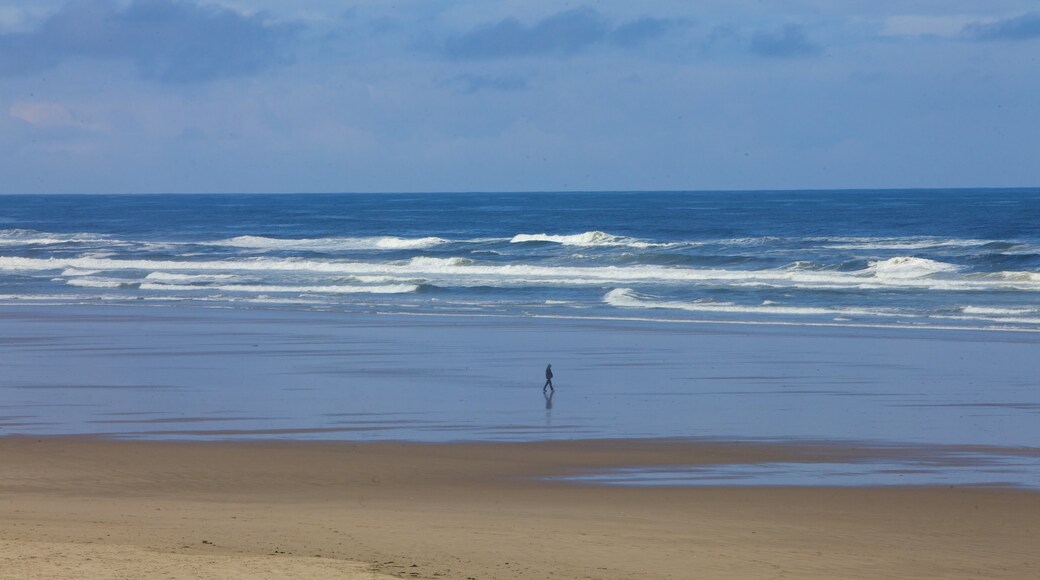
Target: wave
(587, 239)
(421, 262)
(70, 272)
(20, 237)
(984, 310)
(908, 267)
(331, 244)
(263, 288)
(911, 243)
(101, 283)
(903, 272)
(171, 277)
(629, 298)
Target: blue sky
(490, 95)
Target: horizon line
(541, 191)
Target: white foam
(332, 244)
(70, 272)
(986, 311)
(21, 237)
(438, 263)
(904, 267)
(913, 243)
(101, 283)
(586, 239)
(262, 288)
(173, 277)
(1028, 277)
(916, 273)
(628, 298)
(382, 280)
(998, 319)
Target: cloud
(561, 34)
(785, 42)
(472, 83)
(166, 40)
(1024, 27)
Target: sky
(125, 96)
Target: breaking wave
(629, 298)
(906, 267)
(903, 272)
(275, 289)
(587, 239)
(171, 277)
(911, 243)
(331, 244)
(20, 237)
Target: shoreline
(221, 374)
(273, 305)
(484, 510)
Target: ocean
(932, 259)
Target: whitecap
(70, 272)
(983, 310)
(331, 244)
(629, 298)
(426, 262)
(261, 288)
(87, 282)
(903, 267)
(909, 243)
(22, 237)
(173, 277)
(586, 239)
(913, 273)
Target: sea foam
(278, 289)
(586, 239)
(916, 273)
(904, 267)
(20, 237)
(331, 244)
(629, 298)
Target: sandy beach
(195, 443)
(75, 507)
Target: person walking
(548, 378)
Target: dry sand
(79, 508)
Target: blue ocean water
(960, 258)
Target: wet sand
(196, 373)
(78, 507)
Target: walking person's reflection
(548, 407)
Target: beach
(187, 442)
(478, 510)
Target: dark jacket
(548, 373)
